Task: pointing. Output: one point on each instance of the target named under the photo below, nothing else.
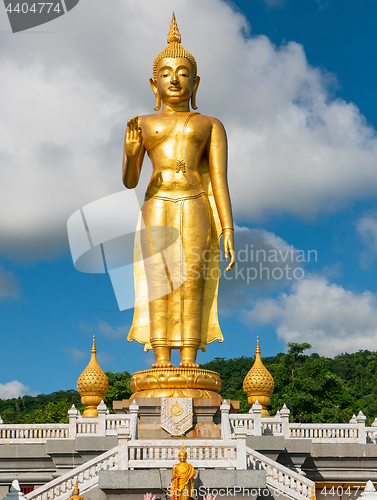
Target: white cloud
(332, 319)
(63, 124)
(76, 354)
(264, 262)
(104, 358)
(14, 389)
(292, 149)
(367, 229)
(9, 284)
(107, 330)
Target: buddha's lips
(175, 88)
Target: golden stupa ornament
(92, 385)
(258, 383)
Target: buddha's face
(175, 80)
(182, 457)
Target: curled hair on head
(182, 451)
(174, 49)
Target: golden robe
(168, 279)
(182, 482)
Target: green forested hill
(358, 371)
(49, 408)
(315, 389)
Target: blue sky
(293, 82)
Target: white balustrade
(87, 425)
(272, 426)
(280, 478)
(251, 424)
(214, 453)
(242, 420)
(254, 425)
(371, 434)
(113, 422)
(34, 432)
(102, 425)
(87, 476)
(346, 433)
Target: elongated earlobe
(193, 95)
(152, 81)
(158, 103)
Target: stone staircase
(163, 454)
(86, 475)
(280, 479)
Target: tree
(119, 387)
(53, 408)
(294, 355)
(309, 389)
(52, 412)
(315, 389)
(304, 383)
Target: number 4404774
(24, 8)
(340, 491)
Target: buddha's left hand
(228, 241)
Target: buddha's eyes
(166, 74)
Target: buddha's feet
(188, 357)
(162, 363)
(162, 357)
(186, 363)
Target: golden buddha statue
(182, 485)
(187, 200)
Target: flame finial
(257, 350)
(174, 34)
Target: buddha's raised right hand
(133, 139)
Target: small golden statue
(187, 198)
(182, 485)
(76, 492)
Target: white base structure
(257, 457)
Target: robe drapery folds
(176, 257)
(171, 281)
(182, 481)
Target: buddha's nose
(174, 78)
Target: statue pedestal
(206, 418)
(176, 383)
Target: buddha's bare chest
(169, 137)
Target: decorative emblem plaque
(176, 415)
